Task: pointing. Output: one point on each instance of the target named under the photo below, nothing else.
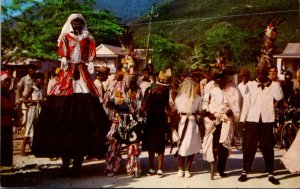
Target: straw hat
(103, 70)
(164, 77)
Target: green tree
(235, 41)
(200, 57)
(167, 54)
(34, 33)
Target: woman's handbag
(175, 136)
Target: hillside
(127, 10)
(185, 21)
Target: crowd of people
(78, 116)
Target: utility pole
(151, 15)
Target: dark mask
(77, 25)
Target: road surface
(42, 172)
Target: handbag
(175, 136)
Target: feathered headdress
(221, 67)
(126, 41)
(265, 58)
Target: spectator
(23, 86)
(273, 73)
(259, 117)
(151, 72)
(245, 77)
(145, 82)
(53, 80)
(34, 100)
(7, 114)
(102, 74)
(288, 88)
(173, 119)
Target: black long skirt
(71, 126)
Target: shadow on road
(92, 173)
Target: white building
(289, 59)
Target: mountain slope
(127, 10)
(186, 21)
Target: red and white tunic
(78, 50)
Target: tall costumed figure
(73, 123)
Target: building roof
(105, 50)
(292, 50)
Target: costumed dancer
(116, 105)
(221, 109)
(126, 41)
(188, 104)
(291, 158)
(73, 123)
(258, 112)
(132, 132)
(125, 102)
(156, 104)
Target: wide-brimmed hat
(164, 77)
(103, 70)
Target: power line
(151, 16)
(216, 17)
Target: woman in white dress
(188, 103)
(291, 158)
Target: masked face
(262, 75)
(77, 25)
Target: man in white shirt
(101, 76)
(145, 81)
(23, 87)
(223, 109)
(259, 117)
(245, 76)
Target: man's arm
(20, 88)
(277, 91)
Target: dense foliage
(209, 25)
(34, 33)
(184, 36)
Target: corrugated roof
(292, 50)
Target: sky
(12, 13)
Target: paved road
(41, 172)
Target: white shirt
(208, 87)
(144, 85)
(51, 84)
(37, 93)
(100, 88)
(242, 88)
(258, 102)
(25, 83)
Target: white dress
(191, 143)
(34, 110)
(291, 159)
